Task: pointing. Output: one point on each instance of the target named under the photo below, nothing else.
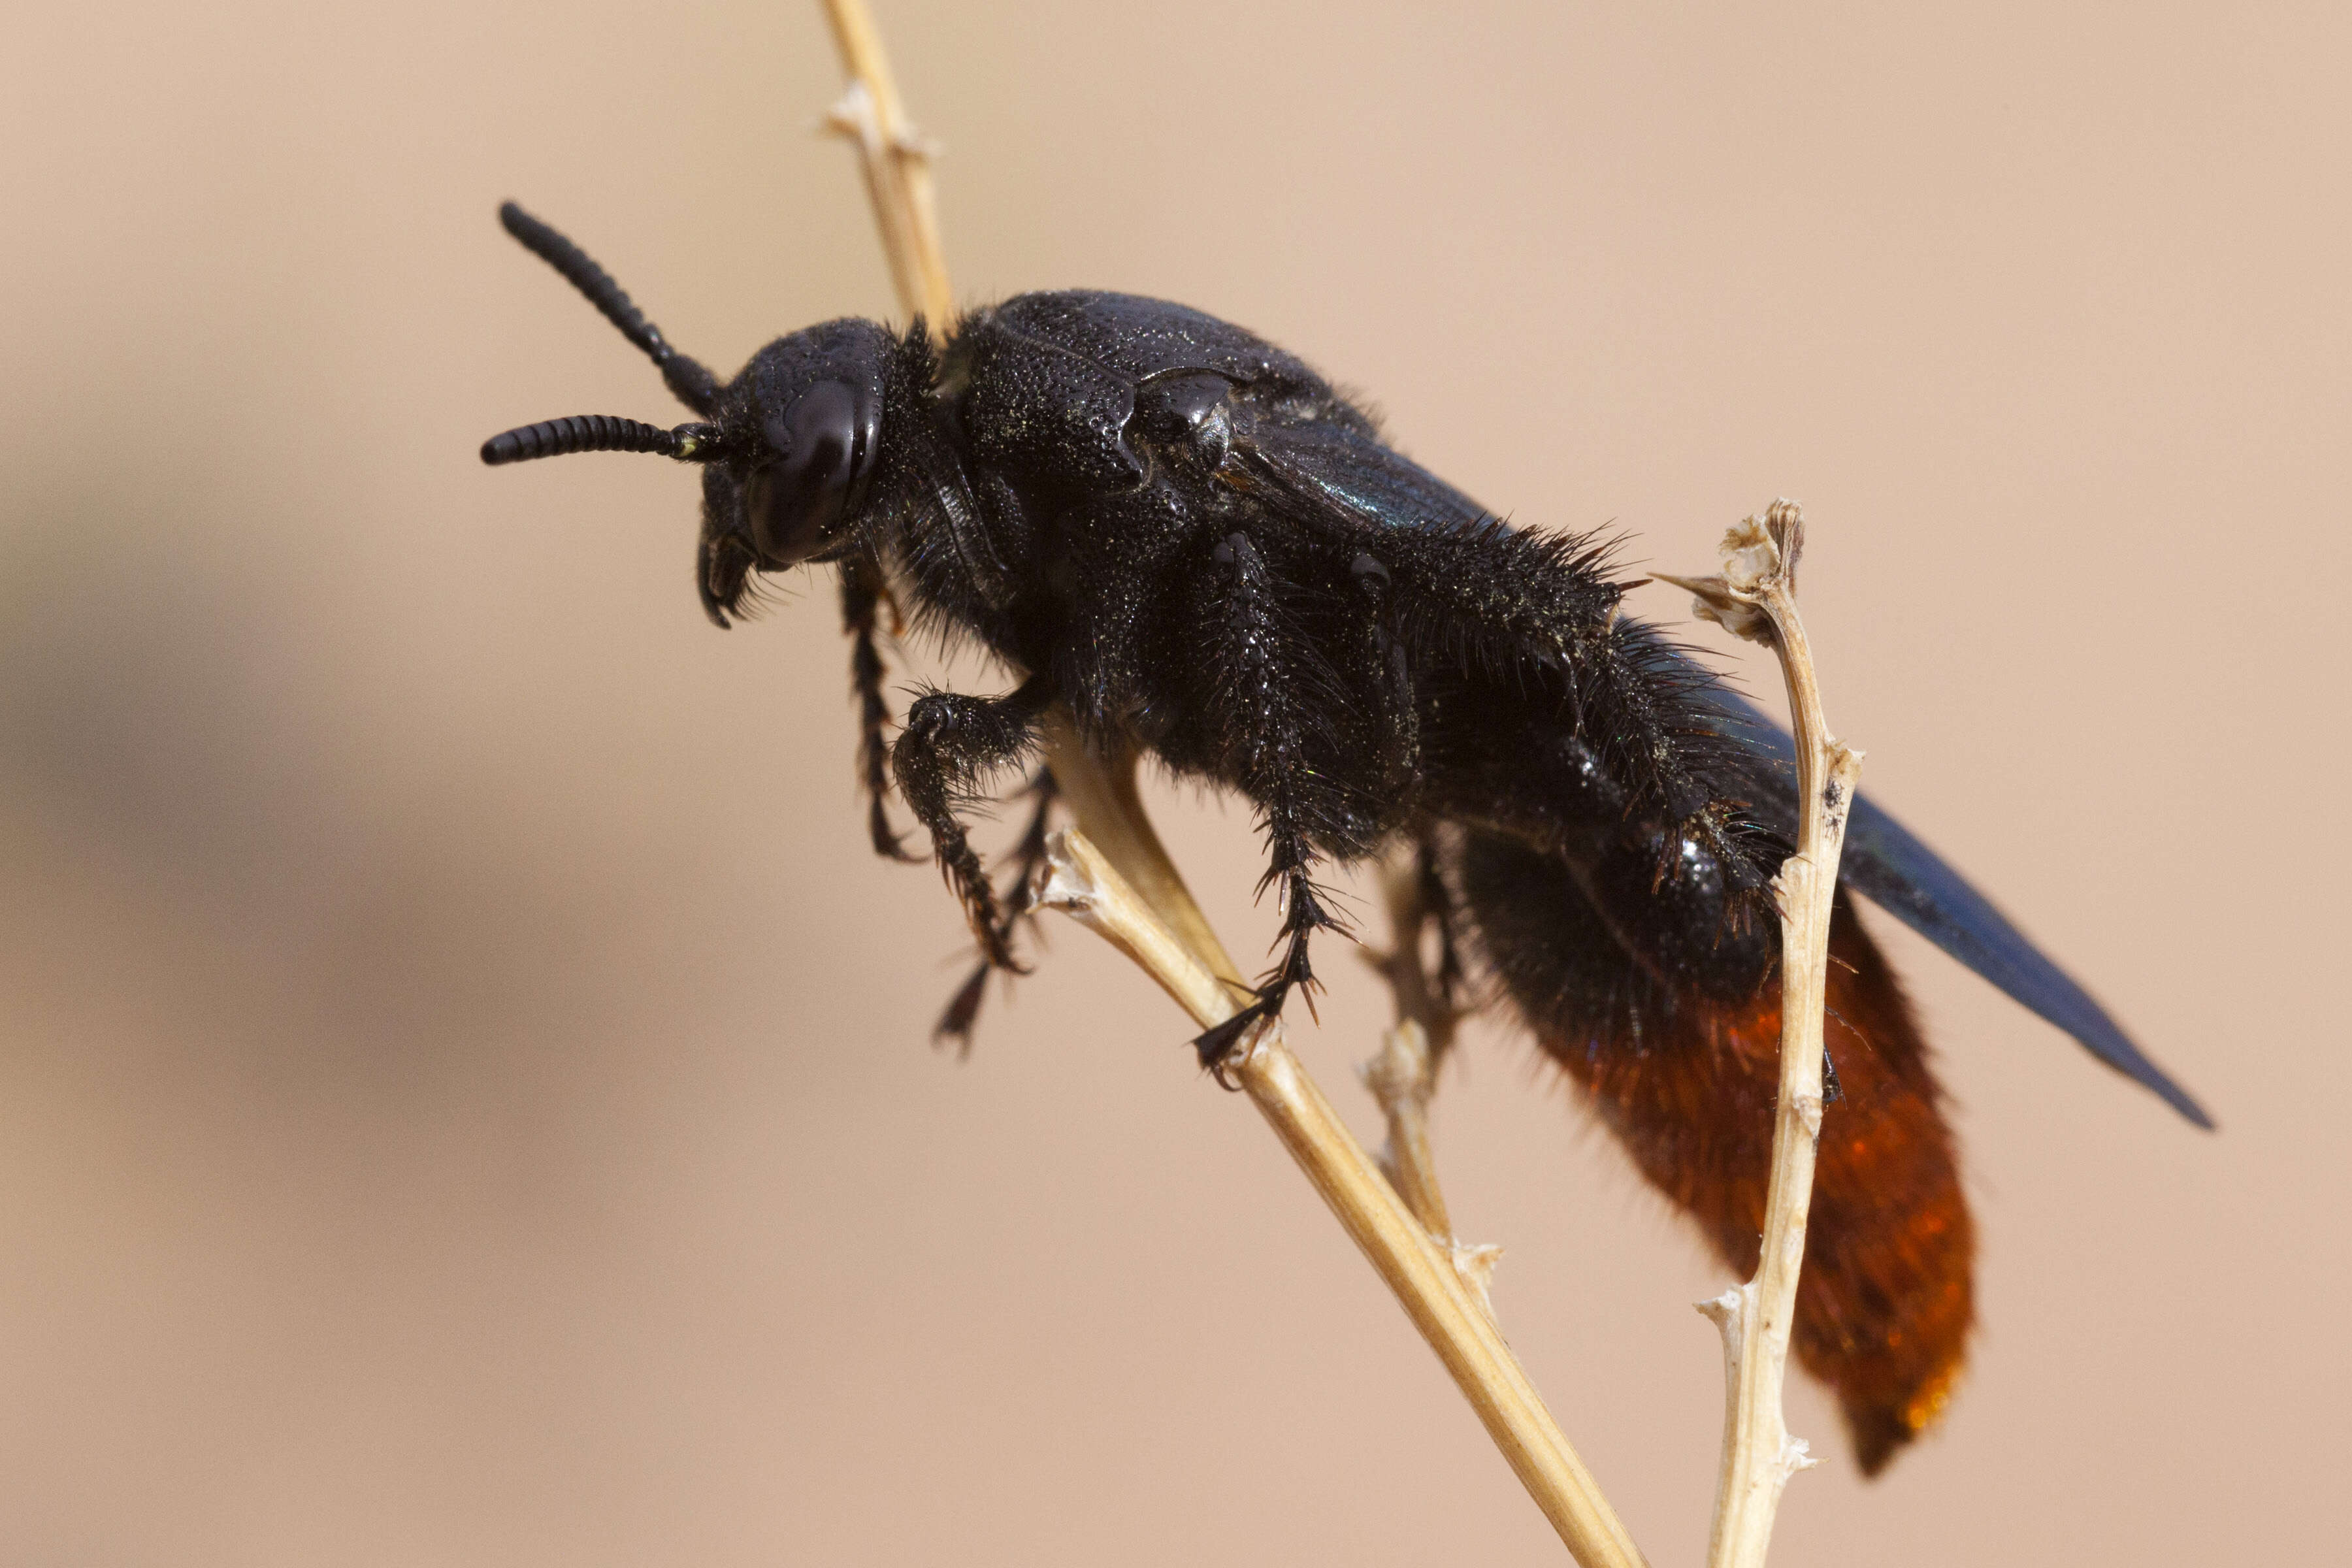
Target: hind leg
(1263, 701)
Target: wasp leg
(1437, 907)
(963, 1008)
(1262, 690)
(950, 745)
(861, 594)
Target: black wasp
(1190, 539)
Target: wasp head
(788, 449)
(799, 433)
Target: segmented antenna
(600, 432)
(695, 386)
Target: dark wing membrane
(1887, 863)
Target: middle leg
(1264, 696)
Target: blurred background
(465, 1094)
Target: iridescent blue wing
(1887, 864)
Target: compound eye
(824, 444)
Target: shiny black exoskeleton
(1193, 541)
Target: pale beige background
(465, 1094)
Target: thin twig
(898, 164)
(1402, 1075)
(1129, 890)
(1102, 796)
(1755, 597)
(1400, 1078)
(1079, 879)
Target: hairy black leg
(1439, 904)
(1263, 697)
(963, 1009)
(950, 745)
(1437, 907)
(861, 595)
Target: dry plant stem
(1403, 1074)
(1401, 1078)
(1102, 796)
(1162, 929)
(1398, 1077)
(1079, 879)
(1756, 597)
(898, 165)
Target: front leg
(1261, 699)
(861, 596)
(951, 743)
(963, 1008)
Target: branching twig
(1077, 878)
(1131, 892)
(896, 165)
(1102, 796)
(1755, 597)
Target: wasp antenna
(601, 432)
(695, 385)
